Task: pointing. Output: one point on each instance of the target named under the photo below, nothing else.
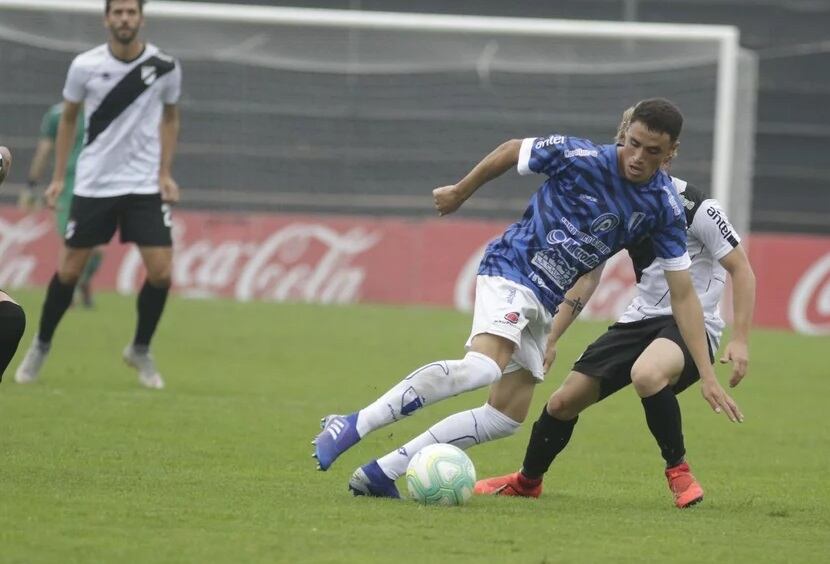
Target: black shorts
(612, 355)
(142, 219)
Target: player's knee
(494, 423)
(12, 323)
(472, 372)
(163, 280)
(562, 406)
(648, 379)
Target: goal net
(365, 112)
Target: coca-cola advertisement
(325, 259)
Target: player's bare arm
(169, 138)
(63, 145)
(449, 198)
(5, 162)
(737, 265)
(689, 316)
(571, 307)
(27, 199)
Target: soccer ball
(440, 474)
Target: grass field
(217, 467)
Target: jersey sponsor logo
(635, 220)
(672, 201)
(513, 317)
(585, 238)
(571, 153)
(723, 225)
(604, 223)
(548, 141)
(553, 265)
(573, 248)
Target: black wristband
(32, 184)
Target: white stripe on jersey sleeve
(683, 262)
(712, 228)
(524, 156)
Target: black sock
(150, 304)
(547, 439)
(58, 299)
(12, 326)
(663, 418)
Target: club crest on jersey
(635, 220)
(604, 223)
(148, 74)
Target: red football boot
(514, 484)
(683, 485)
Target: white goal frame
(726, 37)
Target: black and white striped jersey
(710, 237)
(123, 103)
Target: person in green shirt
(46, 142)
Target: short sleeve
(541, 155)
(669, 239)
(172, 86)
(711, 226)
(74, 89)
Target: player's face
(124, 20)
(643, 152)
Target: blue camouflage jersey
(584, 212)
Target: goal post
(372, 67)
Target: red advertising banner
(326, 259)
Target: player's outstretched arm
(689, 316)
(5, 162)
(569, 309)
(449, 198)
(743, 307)
(63, 145)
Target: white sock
(464, 429)
(428, 384)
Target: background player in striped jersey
(123, 179)
(28, 198)
(645, 347)
(597, 199)
(12, 317)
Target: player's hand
(736, 352)
(169, 189)
(550, 356)
(447, 199)
(720, 400)
(52, 193)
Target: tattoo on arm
(576, 305)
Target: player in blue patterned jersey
(597, 199)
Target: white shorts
(512, 311)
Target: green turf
(216, 468)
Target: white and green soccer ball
(441, 474)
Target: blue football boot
(338, 435)
(370, 480)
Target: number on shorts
(167, 215)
